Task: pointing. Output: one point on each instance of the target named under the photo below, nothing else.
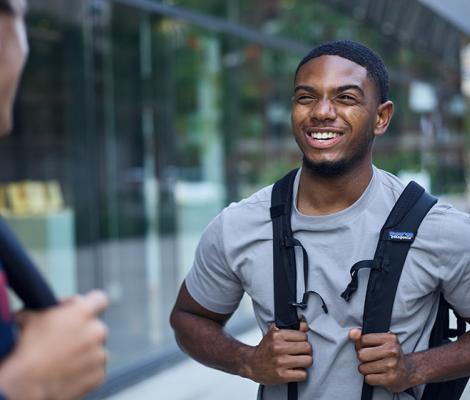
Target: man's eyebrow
(305, 87)
(339, 89)
(349, 87)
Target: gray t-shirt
(235, 256)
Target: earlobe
(383, 118)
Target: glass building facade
(137, 121)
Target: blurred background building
(138, 120)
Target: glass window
(133, 130)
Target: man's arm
(281, 356)
(383, 362)
(59, 354)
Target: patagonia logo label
(401, 236)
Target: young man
(340, 104)
(57, 354)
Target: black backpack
(396, 237)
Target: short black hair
(7, 7)
(359, 54)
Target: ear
(383, 118)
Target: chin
(327, 168)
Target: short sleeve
(454, 268)
(211, 281)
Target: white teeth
(323, 135)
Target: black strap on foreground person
(23, 276)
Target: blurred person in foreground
(56, 354)
(341, 200)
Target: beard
(326, 168)
(334, 169)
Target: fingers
(91, 377)
(303, 327)
(374, 346)
(377, 339)
(293, 362)
(293, 348)
(381, 360)
(295, 375)
(376, 379)
(371, 339)
(96, 300)
(100, 331)
(299, 348)
(289, 335)
(283, 355)
(69, 300)
(385, 350)
(379, 366)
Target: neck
(320, 195)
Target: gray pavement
(190, 380)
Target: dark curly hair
(359, 54)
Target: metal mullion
(218, 25)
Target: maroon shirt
(7, 325)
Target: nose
(323, 110)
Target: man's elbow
(175, 318)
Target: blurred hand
(60, 353)
(282, 356)
(382, 360)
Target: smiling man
(340, 105)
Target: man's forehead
(334, 68)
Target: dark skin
(332, 96)
(282, 355)
(383, 363)
(335, 94)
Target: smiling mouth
(323, 135)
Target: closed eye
(304, 99)
(347, 98)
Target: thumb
(355, 334)
(303, 327)
(273, 327)
(97, 301)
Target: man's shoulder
(390, 183)
(246, 220)
(258, 201)
(448, 221)
(240, 215)
(442, 212)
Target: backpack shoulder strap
(284, 270)
(396, 237)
